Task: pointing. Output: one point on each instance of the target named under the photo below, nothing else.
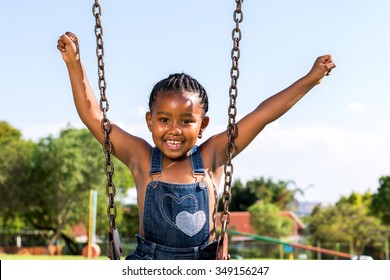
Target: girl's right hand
(321, 68)
(68, 45)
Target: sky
(332, 143)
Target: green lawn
(45, 257)
(65, 257)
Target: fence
(36, 243)
(31, 242)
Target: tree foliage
(264, 190)
(129, 221)
(64, 170)
(381, 200)
(8, 133)
(48, 184)
(347, 221)
(266, 220)
(15, 166)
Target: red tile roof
(240, 221)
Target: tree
(262, 189)
(8, 133)
(64, 170)
(243, 197)
(265, 219)
(15, 163)
(129, 221)
(381, 200)
(347, 221)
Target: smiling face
(175, 120)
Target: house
(240, 221)
(298, 225)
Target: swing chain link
(104, 106)
(230, 148)
(105, 123)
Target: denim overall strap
(197, 161)
(155, 162)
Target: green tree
(265, 219)
(129, 221)
(64, 171)
(8, 133)
(381, 200)
(15, 164)
(242, 197)
(347, 221)
(265, 190)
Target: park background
(332, 144)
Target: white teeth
(173, 144)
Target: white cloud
(335, 161)
(386, 124)
(355, 107)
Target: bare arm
(125, 145)
(275, 106)
(271, 109)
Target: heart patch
(189, 223)
(183, 213)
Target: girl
(177, 181)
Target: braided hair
(179, 82)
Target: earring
(200, 135)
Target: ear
(148, 119)
(205, 123)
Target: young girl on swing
(176, 180)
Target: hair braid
(179, 82)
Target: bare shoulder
(132, 150)
(213, 151)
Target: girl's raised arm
(272, 108)
(125, 145)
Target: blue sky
(331, 143)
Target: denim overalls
(176, 217)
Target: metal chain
(230, 148)
(105, 122)
(231, 128)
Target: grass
(53, 258)
(69, 257)
(46, 257)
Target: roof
(240, 221)
(294, 217)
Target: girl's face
(175, 121)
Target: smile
(173, 144)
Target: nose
(175, 129)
